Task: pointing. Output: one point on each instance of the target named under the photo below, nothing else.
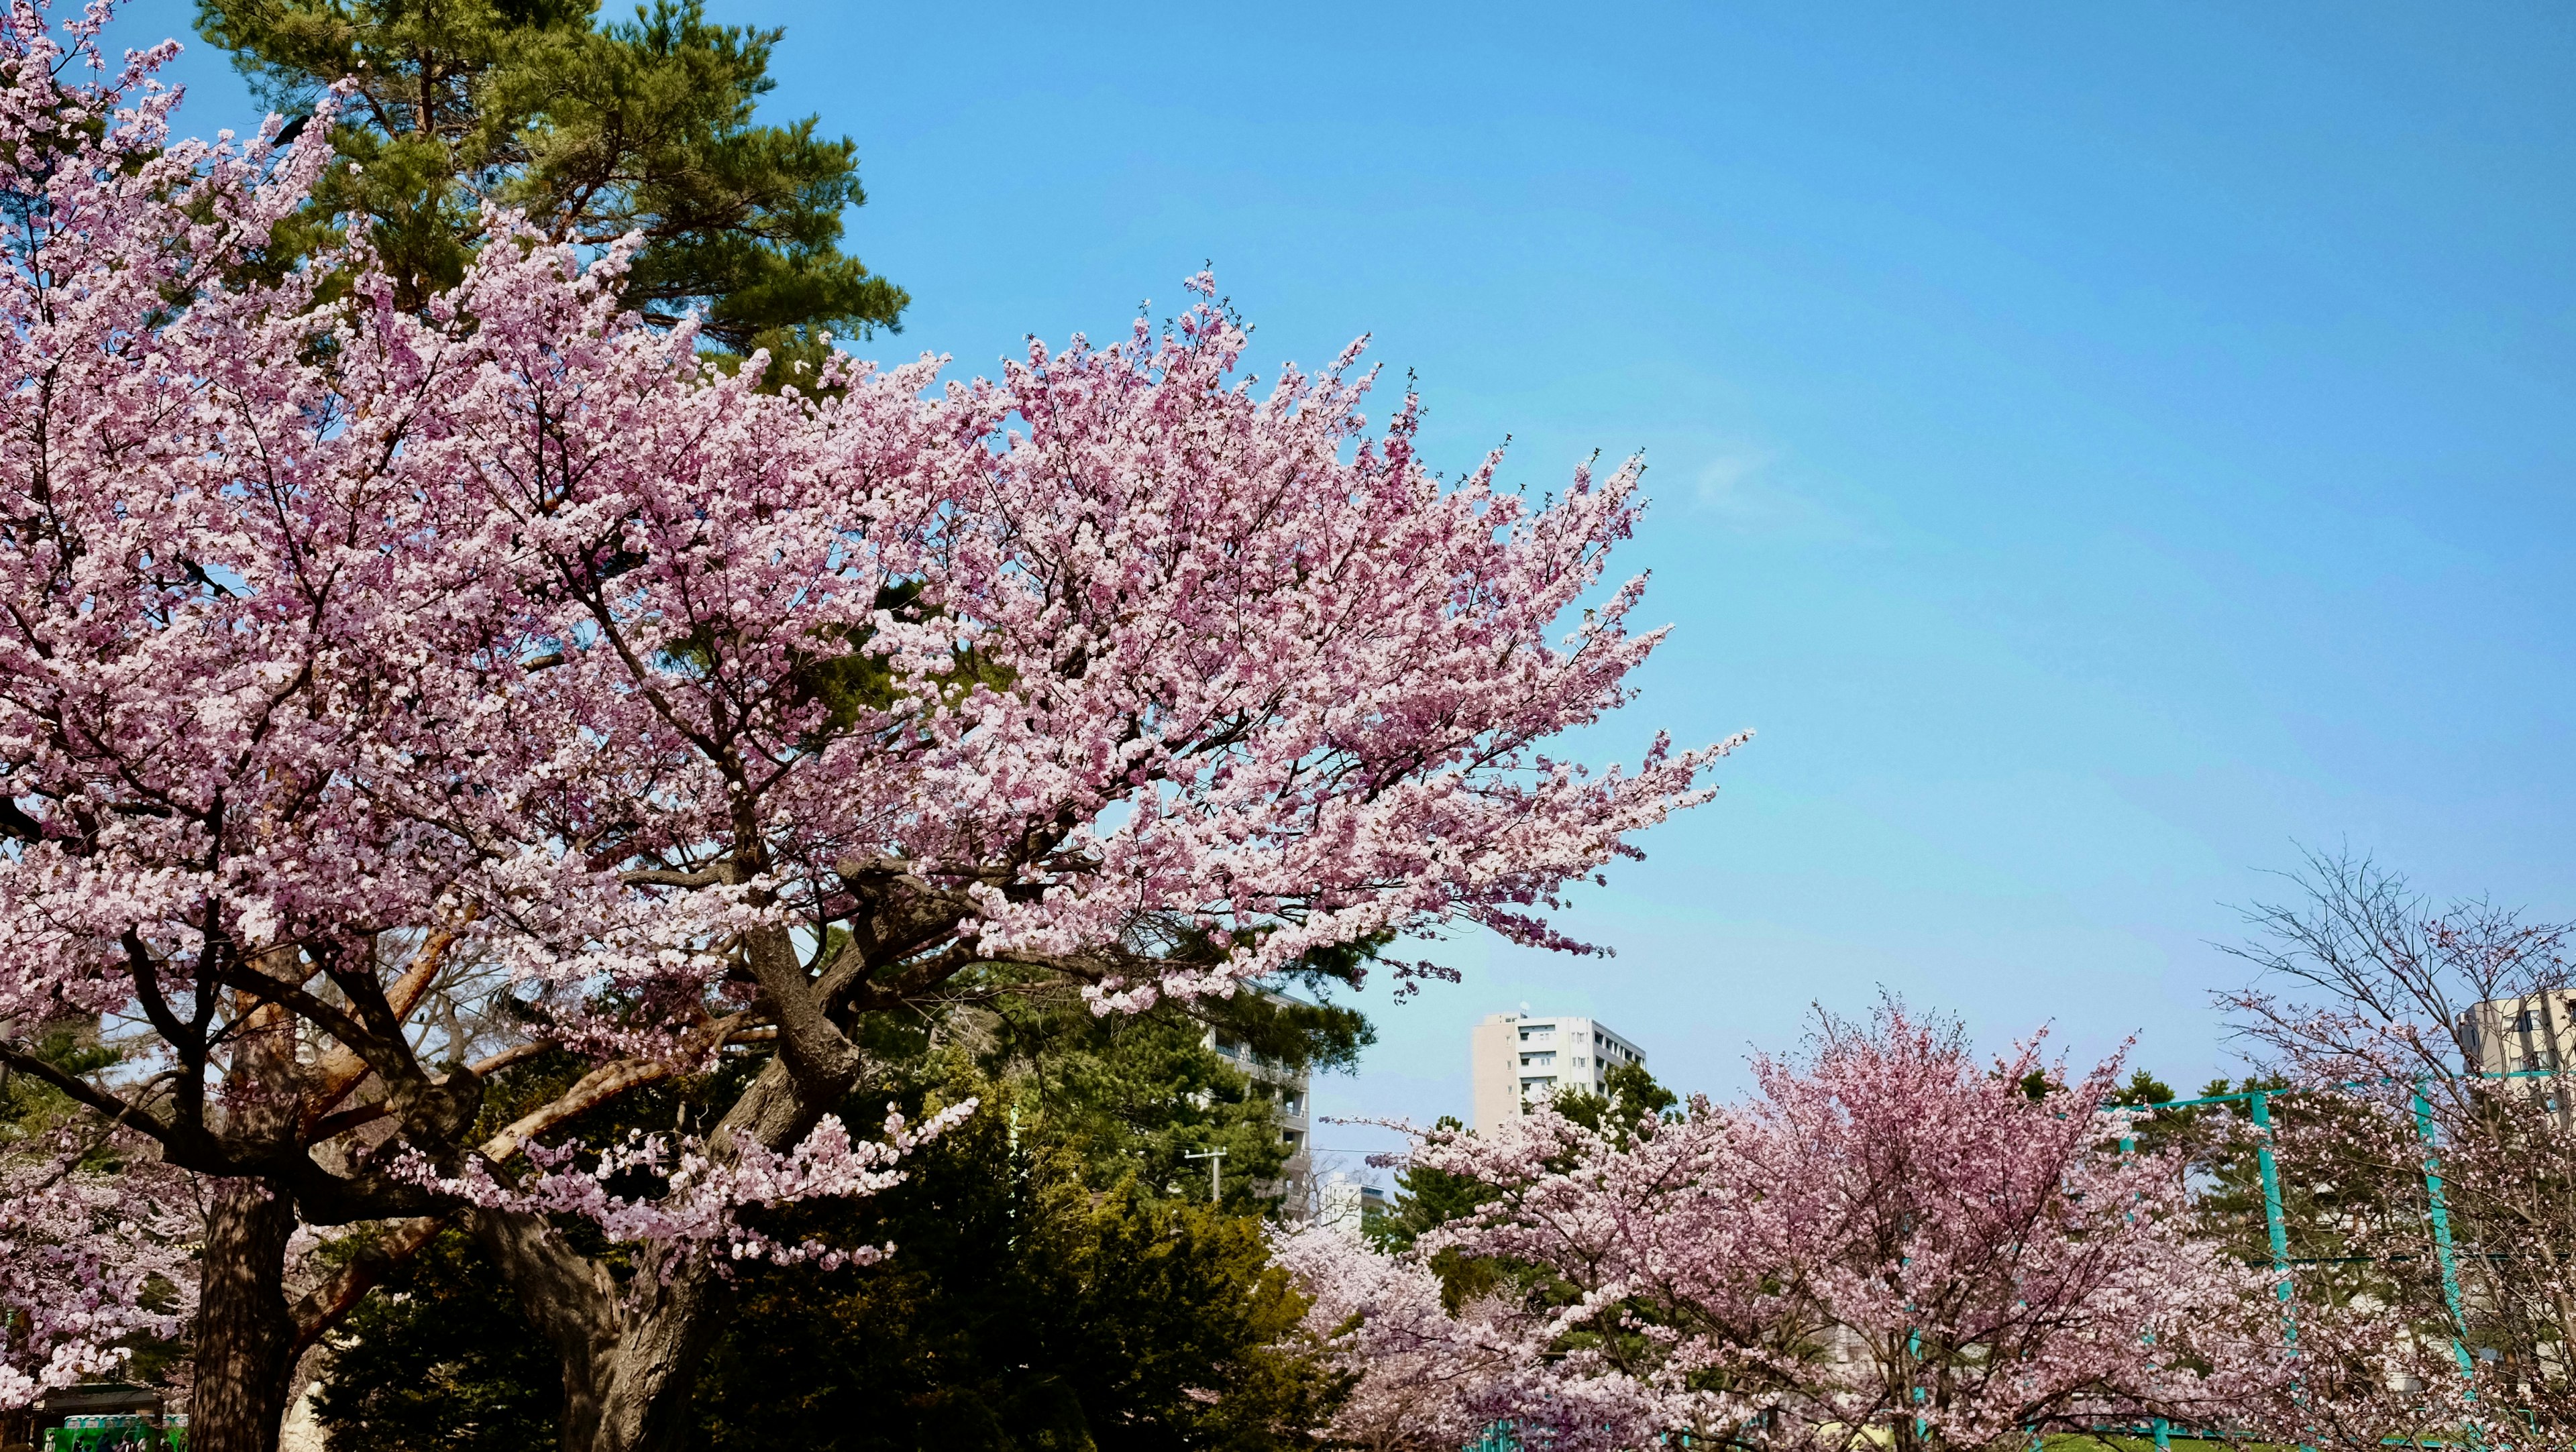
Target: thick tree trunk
(245, 1334)
(643, 1400)
(631, 1353)
(246, 1344)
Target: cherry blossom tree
(2428, 1053)
(1891, 1238)
(94, 1255)
(1419, 1377)
(352, 649)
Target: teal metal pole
(2442, 1228)
(2272, 1220)
(2164, 1435)
(1914, 1370)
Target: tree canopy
(593, 129)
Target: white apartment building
(1345, 1203)
(1519, 1059)
(1291, 1109)
(2518, 1035)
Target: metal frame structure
(2259, 1110)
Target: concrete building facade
(2531, 1039)
(1292, 1111)
(2518, 1035)
(1516, 1060)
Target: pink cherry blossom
(1890, 1238)
(1421, 1378)
(350, 650)
(90, 1259)
(702, 1204)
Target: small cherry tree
(1418, 1377)
(95, 1255)
(2431, 1050)
(1892, 1239)
(353, 649)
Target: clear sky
(2099, 448)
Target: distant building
(1290, 1108)
(1518, 1059)
(2517, 1035)
(1345, 1203)
(2532, 1036)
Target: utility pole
(1216, 1163)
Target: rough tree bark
(631, 1352)
(245, 1332)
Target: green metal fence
(119, 1432)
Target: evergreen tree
(1030, 1303)
(1137, 1095)
(1426, 1198)
(595, 130)
(1628, 1093)
(441, 1360)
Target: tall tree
(350, 641)
(593, 130)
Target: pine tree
(595, 130)
(1042, 1296)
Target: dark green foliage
(31, 1107)
(1028, 1305)
(1025, 1307)
(441, 1360)
(1629, 1094)
(1135, 1095)
(2143, 1089)
(593, 130)
(2188, 1132)
(1425, 1200)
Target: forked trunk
(630, 1353)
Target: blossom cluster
(1890, 1238)
(92, 1259)
(695, 1200)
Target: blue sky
(2098, 448)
